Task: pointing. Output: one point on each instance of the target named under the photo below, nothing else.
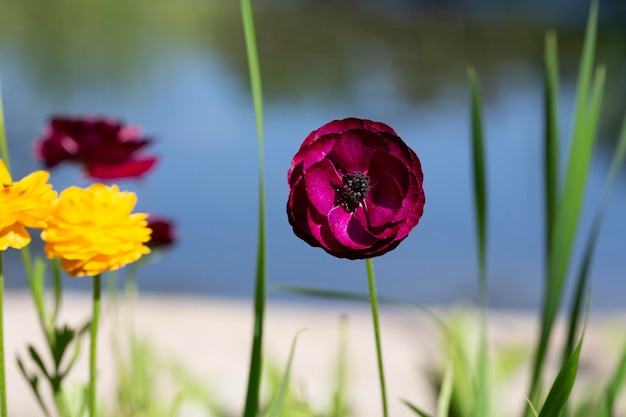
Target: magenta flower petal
(383, 201)
(321, 182)
(348, 230)
(125, 169)
(355, 189)
(105, 148)
(353, 150)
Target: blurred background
(178, 68)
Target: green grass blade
(254, 377)
(4, 150)
(568, 208)
(551, 138)
(415, 409)
(280, 394)
(562, 387)
(445, 395)
(583, 273)
(481, 406)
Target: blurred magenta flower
(355, 189)
(163, 233)
(106, 148)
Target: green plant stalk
(254, 377)
(3, 382)
(379, 350)
(94, 341)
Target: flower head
(107, 149)
(24, 203)
(355, 189)
(93, 230)
(163, 233)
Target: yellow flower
(25, 203)
(93, 230)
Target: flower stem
(94, 337)
(379, 351)
(3, 383)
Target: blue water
(201, 114)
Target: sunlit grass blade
(481, 405)
(551, 137)
(445, 395)
(562, 387)
(356, 297)
(570, 198)
(582, 277)
(615, 386)
(279, 396)
(254, 377)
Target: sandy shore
(212, 337)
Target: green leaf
(37, 359)
(33, 381)
(63, 337)
(279, 397)
(562, 387)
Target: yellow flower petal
(14, 236)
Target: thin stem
(379, 350)
(3, 382)
(94, 339)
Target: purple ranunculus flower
(106, 148)
(355, 189)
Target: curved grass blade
(254, 377)
(559, 393)
(569, 204)
(582, 277)
(279, 397)
(445, 395)
(481, 405)
(416, 410)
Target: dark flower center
(352, 191)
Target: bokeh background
(178, 68)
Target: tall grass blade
(569, 203)
(279, 397)
(481, 406)
(551, 138)
(254, 378)
(562, 387)
(583, 273)
(4, 150)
